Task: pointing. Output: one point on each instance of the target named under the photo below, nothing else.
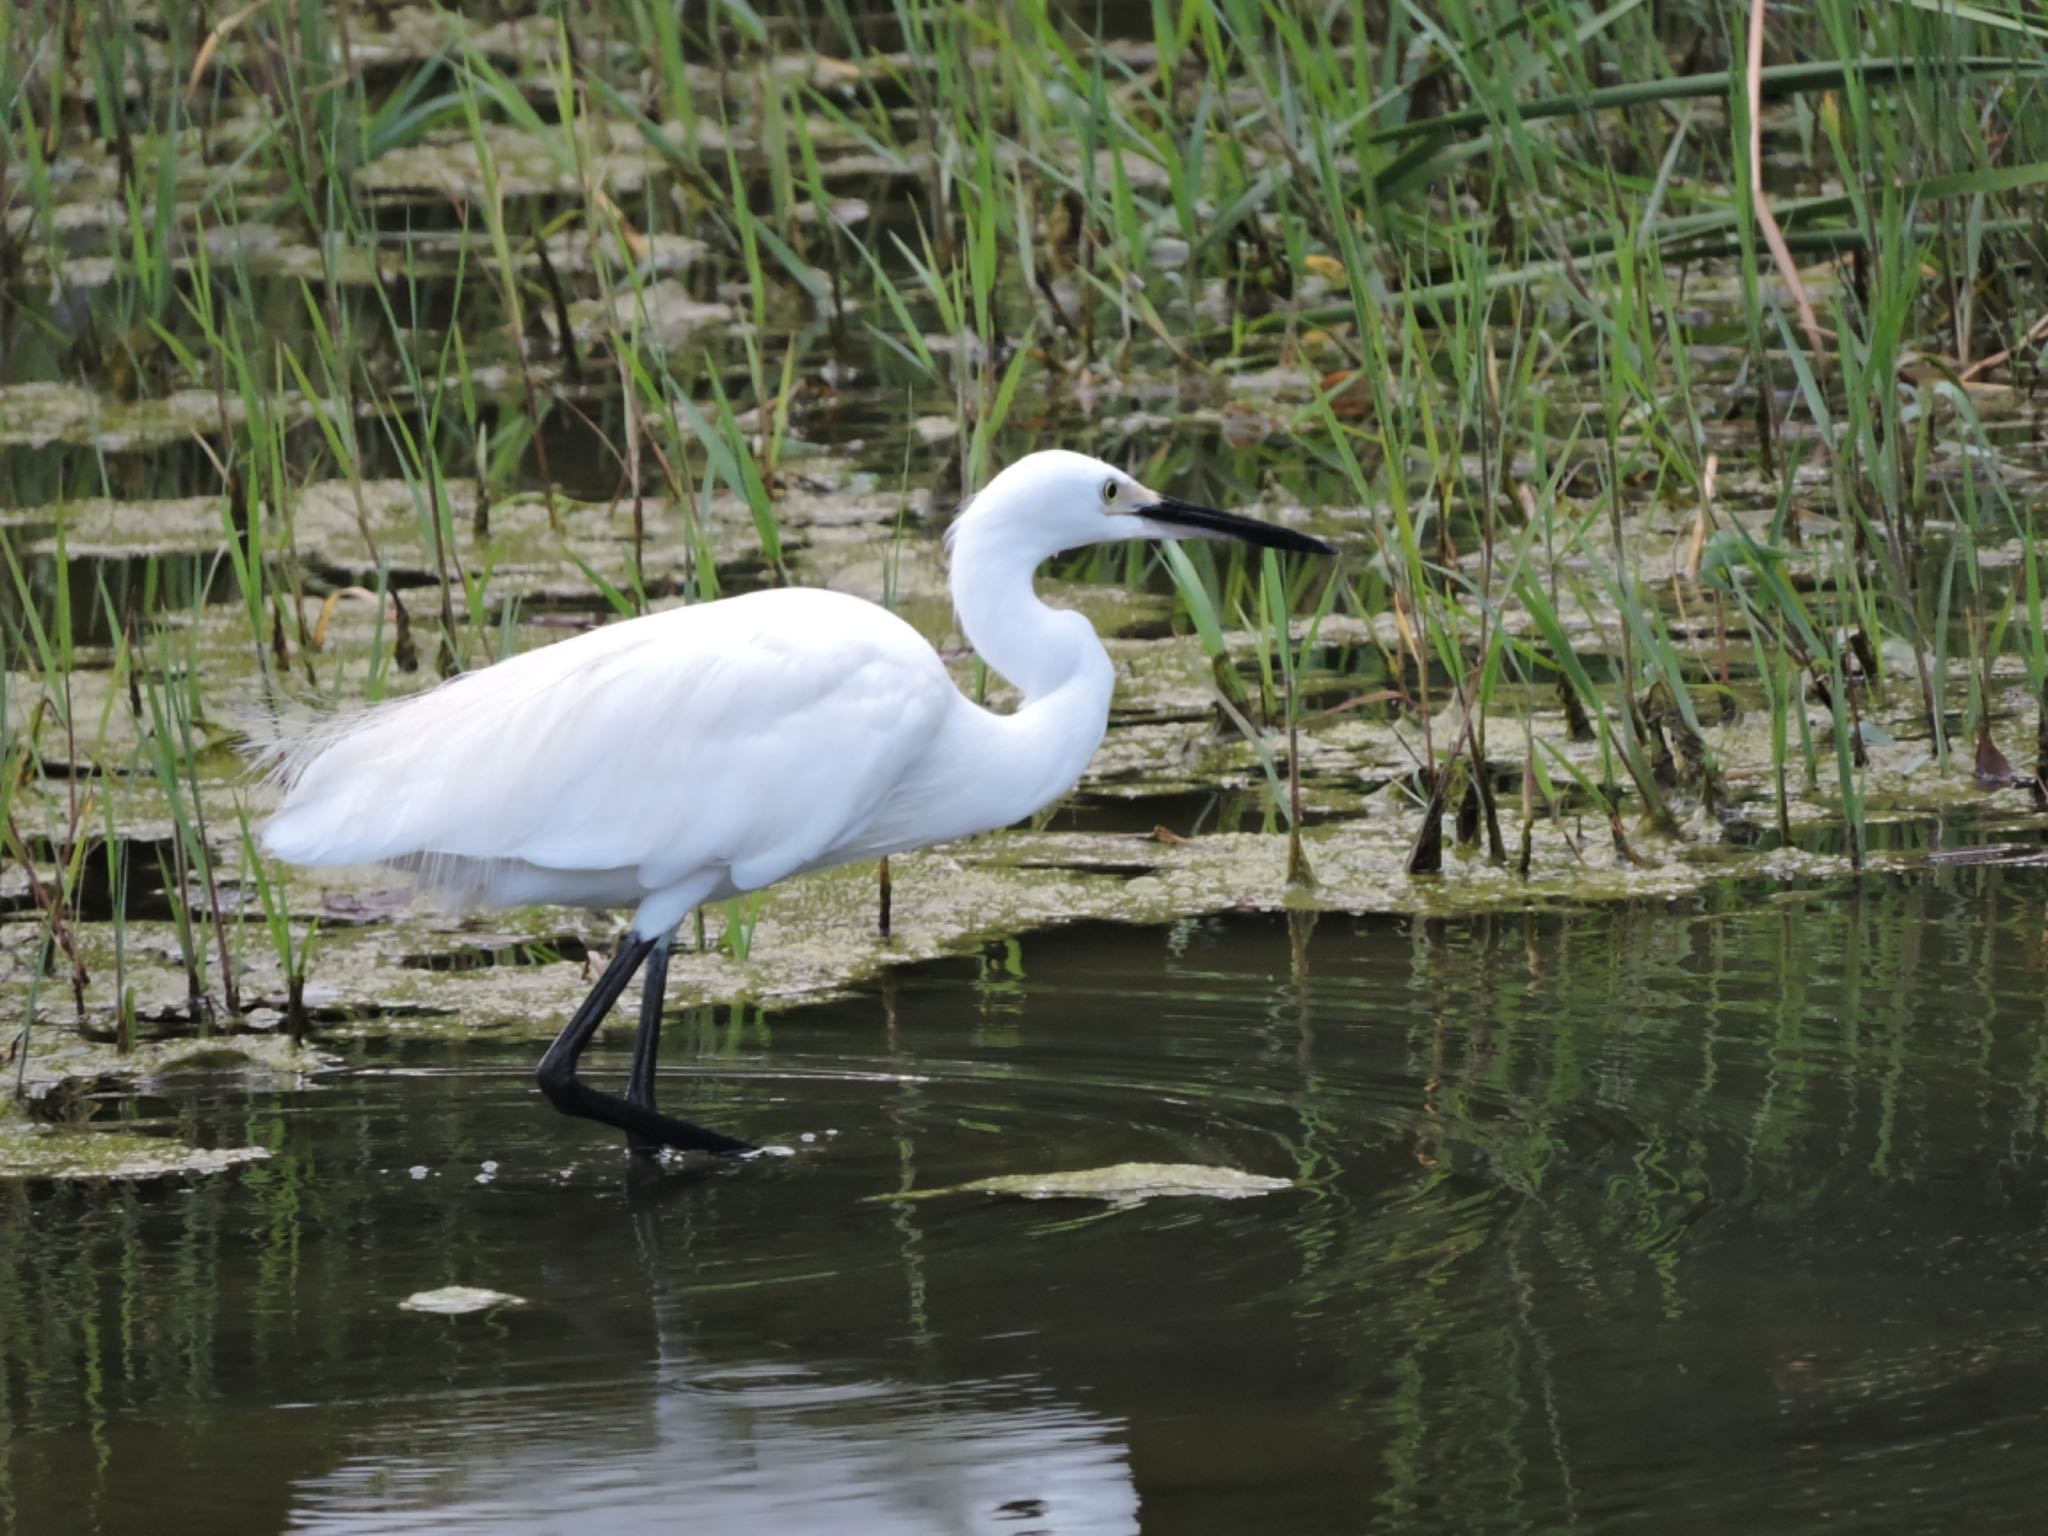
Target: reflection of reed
(1650, 1145)
(1602, 1210)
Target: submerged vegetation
(1669, 375)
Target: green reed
(1474, 236)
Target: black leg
(557, 1075)
(647, 1043)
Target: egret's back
(755, 736)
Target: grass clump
(1656, 368)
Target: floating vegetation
(459, 1300)
(33, 1151)
(1121, 1185)
(1676, 417)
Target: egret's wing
(755, 733)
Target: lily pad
(458, 1300)
(1120, 1184)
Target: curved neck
(1052, 656)
(1036, 648)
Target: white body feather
(713, 749)
(746, 740)
(716, 749)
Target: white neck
(1052, 656)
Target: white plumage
(716, 749)
(605, 769)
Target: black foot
(643, 1127)
(647, 1130)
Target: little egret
(697, 753)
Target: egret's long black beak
(1178, 518)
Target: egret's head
(1056, 500)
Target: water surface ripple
(1673, 1218)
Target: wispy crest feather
(953, 527)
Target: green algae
(1121, 1185)
(664, 315)
(56, 1056)
(30, 1151)
(47, 1133)
(34, 415)
(525, 163)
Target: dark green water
(1703, 1218)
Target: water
(1669, 1218)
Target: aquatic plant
(1663, 376)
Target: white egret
(705, 751)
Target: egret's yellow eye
(1109, 493)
